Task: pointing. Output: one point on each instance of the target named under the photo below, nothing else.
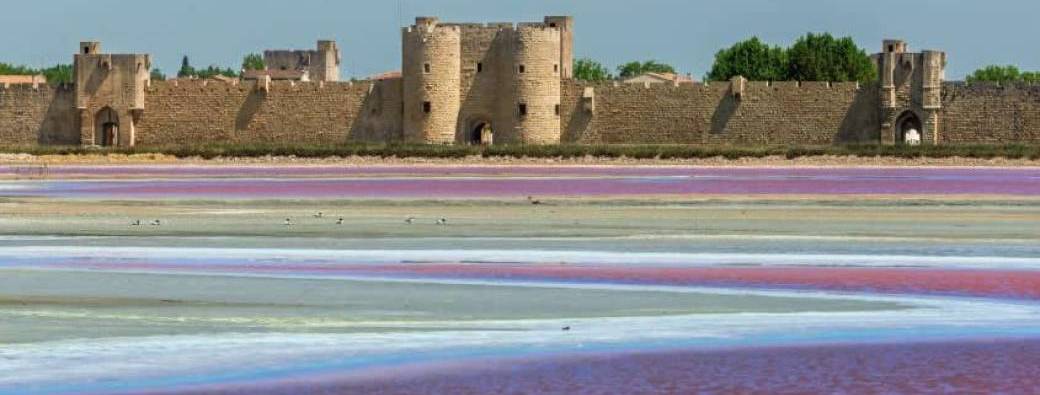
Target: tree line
(1007, 73)
(813, 57)
(586, 69)
(62, 73)
(251, 61)
(57, 74)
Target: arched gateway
(909, 129)
(479, 132)
(106, 128)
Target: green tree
(586, 69)
(253, 61)
(213, 71)
(822, 57)
(157, 75)
(633, 69)
(186, 70)
(10, 69)
(752, 59)
(814, 57)
(58, 74)
(1007, 73)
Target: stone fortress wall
(758, 113)
(466, 83)
(38, 114)
(201, 111)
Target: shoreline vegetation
(836, 155)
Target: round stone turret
(431, 71)
(536, 85)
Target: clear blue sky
(685, 33)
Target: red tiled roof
(389, 75)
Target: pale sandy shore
(772, 161)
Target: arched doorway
(480, 133)
(106, 128)
(909, 129)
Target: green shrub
(565, 151)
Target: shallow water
(650, 269)
(498, 182)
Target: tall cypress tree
(186, 69)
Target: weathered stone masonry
(195, 111)
(508, 83)
(990, 113)
(40, 114)
(764, 113)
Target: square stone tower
(110, 92)
(566, 26)
(321, 64)
(911, 92)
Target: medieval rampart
(38, 114)
(507, 83)
(990, 113)
(714, 113)
(197, 112)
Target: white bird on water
(339, 222)
(442, 221)
(410, 220)
(157, 223)
(288, 222)
(319, 215)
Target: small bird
(319, 215)
(156, 223)
(136, 223)
(410, 220)
(288, 222)
(534, 201)
(566, 328)
(339, 221)
(442, 221)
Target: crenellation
(501, 83)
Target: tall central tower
(471, 83)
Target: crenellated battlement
(505, 83)
(202, 85)
(36, 87)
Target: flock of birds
(289, 221)
(341, 220)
